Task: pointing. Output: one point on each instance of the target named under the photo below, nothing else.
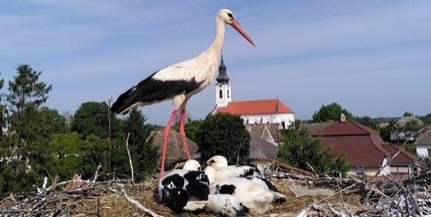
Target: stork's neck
(215, 49)
(217, 44)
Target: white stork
(252, 173)
(250, 194)
(181, 188)
(180, 81)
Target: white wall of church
(288, 119)
(223, 95)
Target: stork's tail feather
(270, 186)
(279, 197)
(120, 105)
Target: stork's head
(217, 161)
(210, 171)
(192, 164)
(227, 16)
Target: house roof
(359, 150)
(425, 138)
(260, 145)
(255, 107)
(262, 149)
(174, 151)
(362, 146)
(402, 157)
(346, 128)
(314, 127)
(268, 131)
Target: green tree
(17, 177)
(224, 134)
(64, 155)
(26, 95)
(408, 114)
(95, 118)
(51, 122)
(331, 112)
(192, 128)
(368, 121)
(145, 156)
(301, 150)
(94, 151)
(24, 161)
(2, 109)
(426, 119)
(385, 132)
(111, 155)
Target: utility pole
(109, 99)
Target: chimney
(342, 118)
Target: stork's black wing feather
(151, 90)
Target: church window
(220, 93)
(228, 94)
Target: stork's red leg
(165, 143)
(183, 134)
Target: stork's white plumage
(250, 194)
(228, 171)
(224, 171)
(180, 81)
(180, 188)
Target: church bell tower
(223, 91)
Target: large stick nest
(351, 197)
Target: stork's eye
(230, 15)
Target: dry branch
(138, 205)
(130, 158)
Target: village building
(364, 149)
(263, 111)
(423, 143)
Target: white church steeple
(223, 91)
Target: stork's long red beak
(241, 31)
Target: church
(261, 111)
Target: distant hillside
(385, 119)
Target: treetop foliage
(26, 90)
(224, 134)
(301, 150)
(408, 114)
(368, 121)
(94, 118)
(331, 112)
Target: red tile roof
(362, 146)
(255, 107)
(359, 150)
(402, 157)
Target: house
(174, 150)
(364, 148)
(264, 111)
(423, 143)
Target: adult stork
(180, 81)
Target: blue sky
(371, 57)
